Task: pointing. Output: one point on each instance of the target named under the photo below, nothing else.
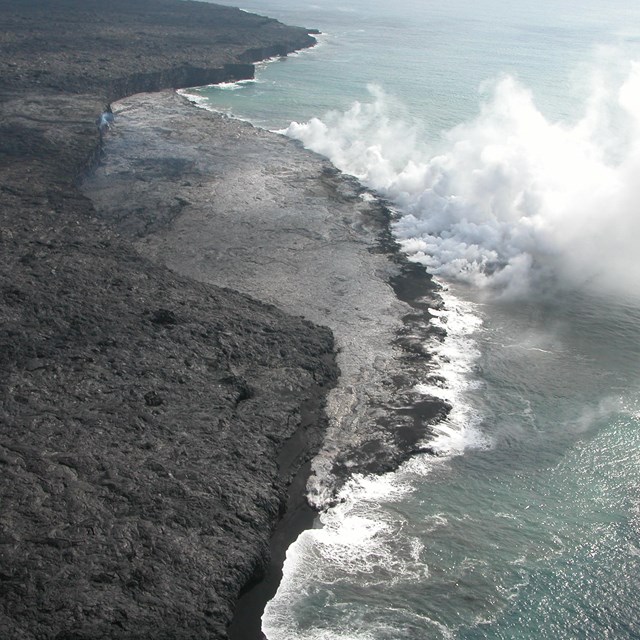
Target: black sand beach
(152, 417)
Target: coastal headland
(171, 328)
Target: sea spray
(509, 200)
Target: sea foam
(453, 362)
(364, 540)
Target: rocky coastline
(155, 424)
(142, 412)
(237, 206)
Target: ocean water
(507, 134)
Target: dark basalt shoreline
(155, 428)
(141, 412)
(234, 205)
(241, 207)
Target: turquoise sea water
(508, 136)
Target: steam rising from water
(510, 200)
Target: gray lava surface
(237, 206)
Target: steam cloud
(509, 200)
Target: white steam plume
(510, 200)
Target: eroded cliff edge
(141, 412)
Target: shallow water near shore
(520, 196)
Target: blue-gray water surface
(508, 136)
